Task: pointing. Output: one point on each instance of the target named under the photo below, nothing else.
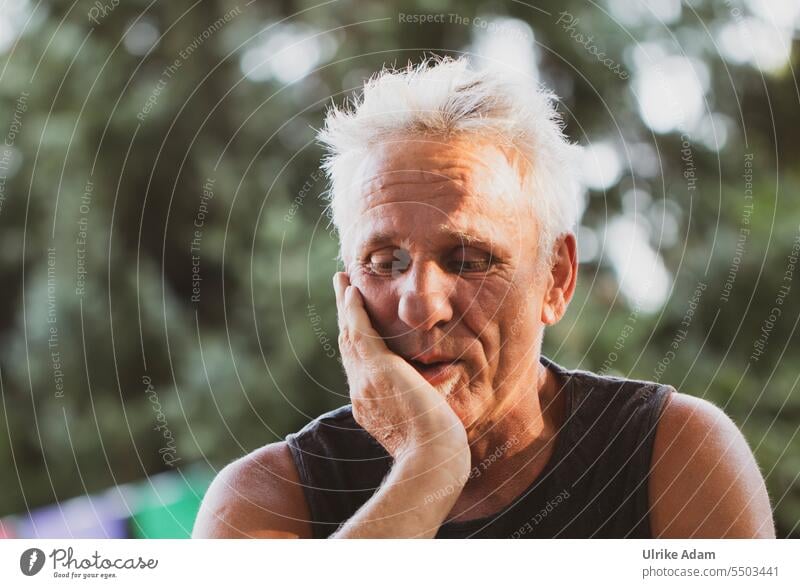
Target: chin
(463, 399)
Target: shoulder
(335, 420)
(704, 481)
(258, 495)
(617, 402)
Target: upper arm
(258, 495)
(705, 482)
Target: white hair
(443, 97)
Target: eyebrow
(468, 238)
(464, 237)
(376, 240)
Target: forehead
(428, 188)
(393, 169)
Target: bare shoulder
(256, 496)
(705, 482)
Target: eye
(470, 260)
(388, 262)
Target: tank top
(593, 486)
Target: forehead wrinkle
(438, 180)
(484, 214)
(468, 236)
(456, 170)
(451, 199)
(389, 179)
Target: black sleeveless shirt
(593, 486)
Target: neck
(525, 421)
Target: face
(443, 247)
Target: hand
(390, 399)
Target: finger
(357, 320)
(340, 283)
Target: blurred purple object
(84, 517)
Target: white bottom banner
(390, 563)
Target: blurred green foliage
(247, 363)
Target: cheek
(503, 320)
(520, 329)
(484, 304)
(480, 308)
(379, 300)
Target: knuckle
(347, 339)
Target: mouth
(435, 372)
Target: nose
(425, 300)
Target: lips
(430, 357)
(420, 365)
(435, 370)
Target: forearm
(412, 502)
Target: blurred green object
(168, 505)
(162, 506)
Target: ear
(560, 281)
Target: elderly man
(454, 196)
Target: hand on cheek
(390, 399)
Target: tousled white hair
(444, 97)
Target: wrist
(449, 463)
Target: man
(453, 194)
